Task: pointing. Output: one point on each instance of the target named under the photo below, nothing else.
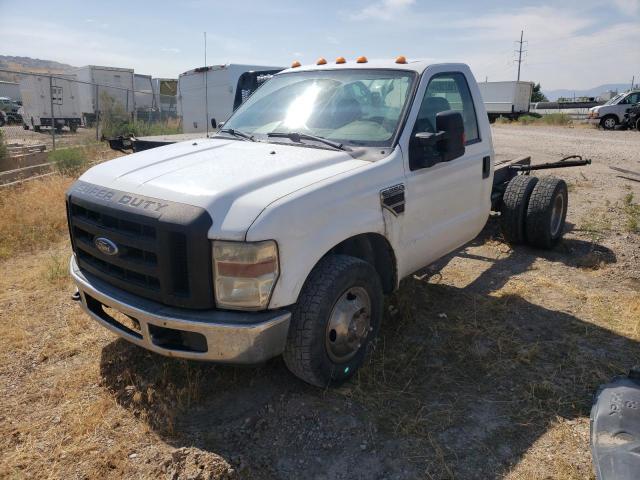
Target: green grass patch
(115, 127)
(69, 161)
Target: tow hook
(76, 296)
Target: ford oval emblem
(105, 246)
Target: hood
(233, 180)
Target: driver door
(447, 203)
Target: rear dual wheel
(534, 211)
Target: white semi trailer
(208, 96)
(144, 94)
(101, 84)
(165, 91)
(506, 99)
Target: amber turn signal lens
(340, 60)
(361, 59)
(321, 61)
(401, 59)
(295, 64)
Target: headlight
(244, 274)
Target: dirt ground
(15, 134)
(485, 366)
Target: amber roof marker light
(341, 60)
(401, 59)
(361, 59)
(321, 61)
(295, 64)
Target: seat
(430, 107)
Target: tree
(537, 95)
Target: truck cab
(609, 115)
(282, 233)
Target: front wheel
(609, 122)
(337, 316)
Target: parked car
(11, 109)
(610, 115)
(282, 232)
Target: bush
(69, 161)
(556, 119)
(115, 127)
(527, 119)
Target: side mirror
(452, 124)
(213, 123)
(426, 149)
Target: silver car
(609, 115)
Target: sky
(574, 44)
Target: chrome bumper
(213, 335)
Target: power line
(520, 51)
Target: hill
(553, 95)
(28, 64)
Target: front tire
(609, 122)
(337, 316)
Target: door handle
(486, 167)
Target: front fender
(310, 222)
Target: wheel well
(376, 250)
(612, 115)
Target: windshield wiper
(237, 133)
(296, 137)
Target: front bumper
(213, 335)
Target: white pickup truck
(282, 233)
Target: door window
(448, 91)
(633, 98)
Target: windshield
(614, 99)
(359, 107)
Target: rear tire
(331, 331)
(514, 208)
(547, 212)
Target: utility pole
(206, 86)
(520, 51)
(633, 80)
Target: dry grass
(32, 217)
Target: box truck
(42, 93)
(506, 99)
(208, 96)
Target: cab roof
(416, 65)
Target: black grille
(163, 256)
